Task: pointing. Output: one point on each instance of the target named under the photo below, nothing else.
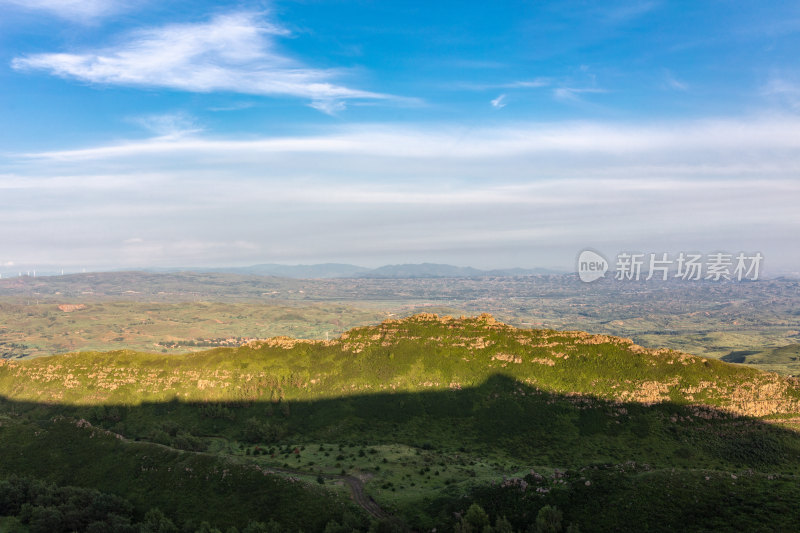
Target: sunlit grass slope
(422, 352)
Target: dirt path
(354, 484)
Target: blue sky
(492, 134)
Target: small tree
(475, 520)
(502, 525)
(205, 527)
(549, 520)
(157, 522)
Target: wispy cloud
(169, 125)
(709, 147)
(783, 89)
(519, 84)
(238, 106)
(230, 53)
(330, 107)
(529, 84)
(499, 102)
(573, 94)
(81, 10)
(674, 83)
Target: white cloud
(699, 144)
(525, 192)
(499, 102)
(84, 10)
(330, 106)
(169, 125)
(231, 53)
(191, 220)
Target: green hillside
(422, 352)
(775, 359)
(426, 415)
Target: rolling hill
(422, 352)
(430, 414)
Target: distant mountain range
(341, 270)
(324, 270)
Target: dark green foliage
(548, 520)
(475, 520)
(46, 507)
(217, 410)
(157, 522)
(633, 498)
(531, 425)
(386, 525)
(263, 527)
(205, 527)
(592, 421)
(149, 477)
(261, 431)
(502, 525)
(186, 441)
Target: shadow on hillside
(737, 356)
(501, 416)
(502, 420)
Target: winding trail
(353, 483)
